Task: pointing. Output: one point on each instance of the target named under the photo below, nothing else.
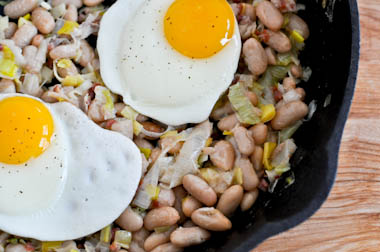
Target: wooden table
(350, 219)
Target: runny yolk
(26, 127)
(199, 28)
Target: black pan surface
(332, 52)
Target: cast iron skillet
(332, 52)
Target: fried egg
(170, 60)
(61, 176)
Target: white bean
(63, 51)
(18, 8)
(12, 28)
(156, 239)
(269, 15)
(166, 197)
(189, 205)
(223, 155)
(71, 13)
(250, 179)
(43, 20)
(7, 86)
(199, 188)
(130, 220)
(249, 199)
(167, 247)
(230, 199)
(244, 140)
(24, 35)
(87, 53)
(228, 122)
(255, 56)
(91, 3)
(211, 219)
(184, 237)
(160, 217)
(76, 3)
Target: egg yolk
(26, 127)
(199, 28)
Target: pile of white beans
(191, 212)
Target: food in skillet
(207, 91)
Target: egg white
(102, 170)
(138, 63)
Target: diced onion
(268, 150)
(246, 112)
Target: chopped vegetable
(58, 11)
(327, 101)
(109, 100)
(282, 154)
(208, 142)
(105, 234)
(278, 72)
(23, 20)
(281, 169)
(72, 80)
(312, 109)
(186, 161)
(268, 112)
(288, 132)
(8, 68)
(50, 246)
(202, 159)
(68, 27)
(123, 238)
(162, 229)
(64, 63)
(169, 133)
(153, 191)
(146, 152)
(246, 112)
(284, 59)
(227, 133)
(45, 5)
(272, 75)
(131, 114)
(238, 176)
(306, 74)
(208, 174)
(268, 149)
(297, 36)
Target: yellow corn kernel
(8, 67)
(72, 80)
(268, 112)
(268, 150)
(297, 36)
(68, 27)
(146, 152)
(50, 246)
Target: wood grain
(350, 219)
